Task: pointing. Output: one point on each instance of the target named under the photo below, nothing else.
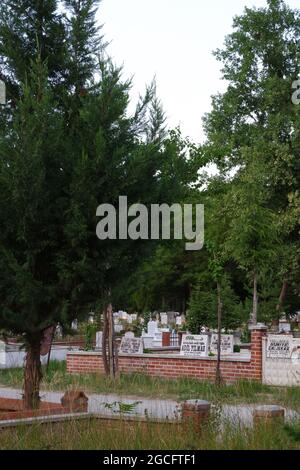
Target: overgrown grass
(56, 378)
(98, 435)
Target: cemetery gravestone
(279, 347)
(194, 346)
(226, 344)
(152, 328)
(91, 318)
(59, 330)
(296, 354)
(284, 326)
(131, 346)
(172, 317)
(99, 336)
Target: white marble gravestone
(148, 340)
(99, 336)
(131, 345)
(285, 326)
(59, 330)
(194, 346)
(152, 327)
(226, 344)
(279, 346)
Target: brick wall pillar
(258, 332)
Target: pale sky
(173, 40)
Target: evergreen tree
(28, 29)
(62, 154)
(84, 42)
(32, 205)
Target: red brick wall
(175, 366)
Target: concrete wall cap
(196, 403)
(268, 408)
(258, 326)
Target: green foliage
(90, 335)
(122, 408)
(137, 328)
(202, 310)
(252, 135)
(67, 145)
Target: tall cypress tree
(32, 205)
(28, 29)
(62, 153)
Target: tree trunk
(255, 300)
(50, 348)
(32, 377)
(117, 373)
(282, 296)
(220, 307)
(111, 341)
(110, 360)
(104, 341)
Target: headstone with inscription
(279, 346)
(131, 346)
(226, 344)
(194, 346)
